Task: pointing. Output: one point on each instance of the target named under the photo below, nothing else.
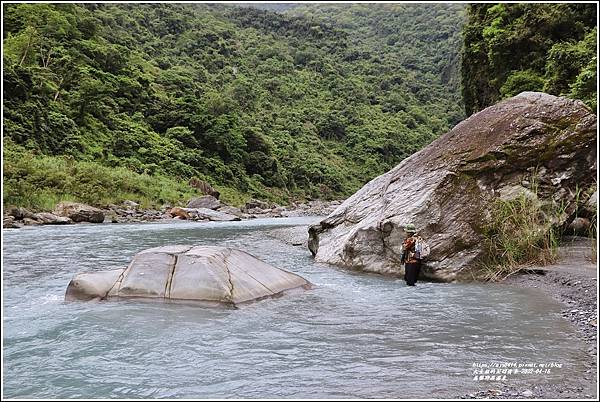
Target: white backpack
(422, 249)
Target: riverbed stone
(448, 189)
(10, 222)
(178, 212)
(148, 275)
(50, 219)
(207, 274)
(231, 211)
(19, 213)
(79, 212)
(206, 201)
(253, 203)
(31, 222)
(209, 214)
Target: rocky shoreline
(202, 209)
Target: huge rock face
(187, 273)
(447, 188)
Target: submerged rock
(188, 273)
(447, 189)
(295, 235)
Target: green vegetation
(39, 182)
(521, 232)
(510, 48)
(112, 101)
(582, 197)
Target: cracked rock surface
(447, 189)
(188, 273)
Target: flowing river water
(352, 336)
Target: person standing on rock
(414, 249)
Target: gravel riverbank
(573, 282)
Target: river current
(352, 336)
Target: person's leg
(417, 272)
(409, 274)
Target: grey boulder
(206, 274)
(209, 214)
(448, 188)
(10, 223)
(231, 211)
(207, 201)
(19, 213)
(253, 203)
(78, 212)
(50, 219)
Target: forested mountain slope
(309, 102)
(510, 48)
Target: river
(352, 336)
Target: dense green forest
(104, 102)
(510, 48)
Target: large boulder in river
(188, 273)
(447, 189)
(78, 212)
